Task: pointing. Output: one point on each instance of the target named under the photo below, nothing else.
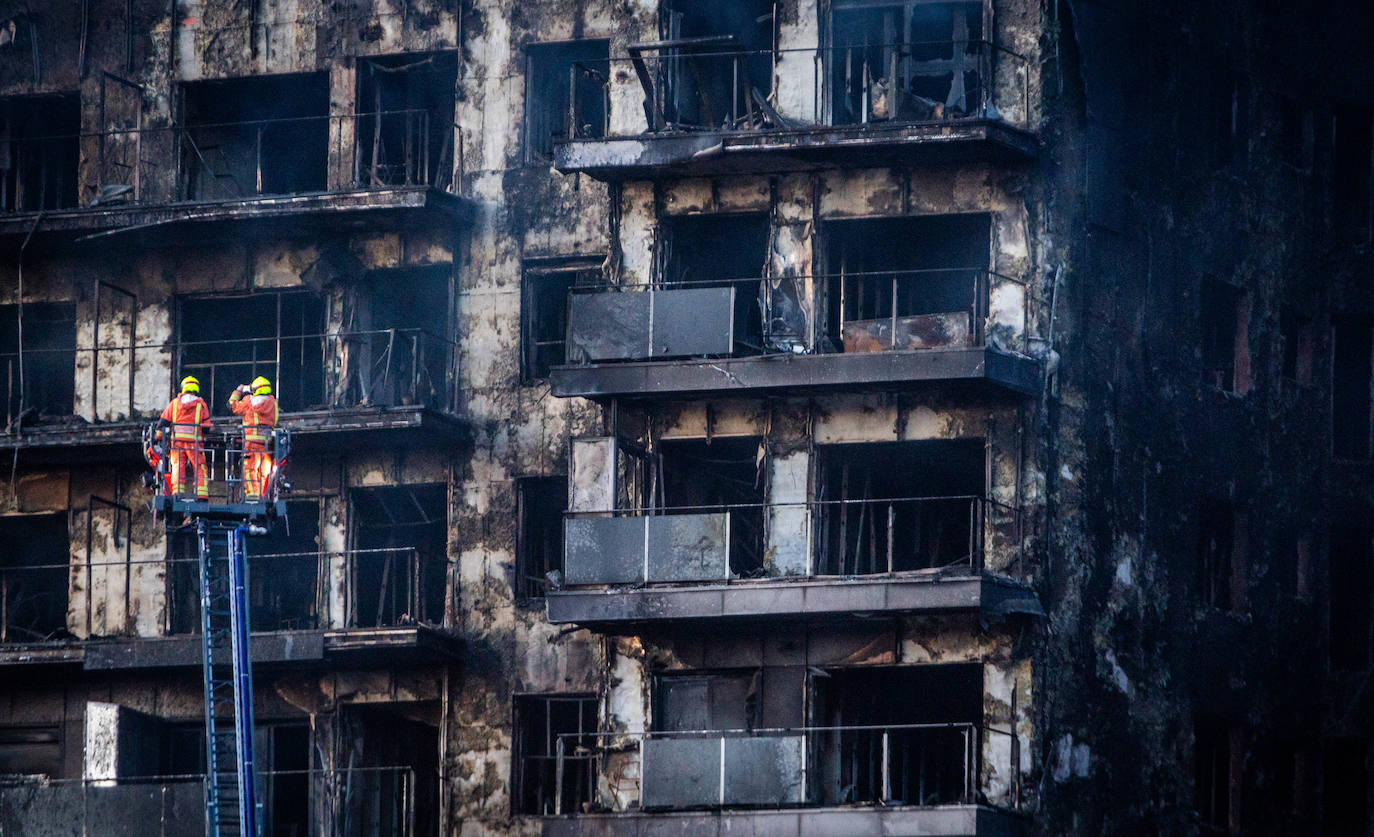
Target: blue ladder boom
(230, 798)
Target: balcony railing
(382, 588)
(694, 89)
(356, 802)
(876, 311)
(896, 764)
(229, 160)
(720, 544)
(382, 368)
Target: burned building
(856, 417)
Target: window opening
(1346, 786)
(1351, 599)
(544, 293)
(900, 506)
(716, 250)
(39, 152)
(1297, 334)
(1212, 771)
(405, 120)
(228, 341)
(908, 61)
(1229, 114)
(539, 721)
(926, 765)
(550, 72)
(715, 63)
(1352, 382)
(1216, 553)
(31, 751)
(907, 283)
(33, 577)
(1225, 314)
(400, 557)
(396, 352)
(1350, 169)
(265, 135)
(380, 798)
(49, 356)
(283, 575)
(721, 473)
(540, 503)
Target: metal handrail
(430, 359)
(987, 517)
(349, 161)
(614, 741)
(655, 75)
(982, 282)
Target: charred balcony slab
(76, 440)
(984, 366)
(176, 223)
(716, 153)
(940, 820)
(390, 646)
(620, 608)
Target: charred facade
(856, 417)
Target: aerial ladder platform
(221, 522)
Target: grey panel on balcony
(174, 810)
(603, 550)
(689, 547)
(764, 771)
(680, 772)
(612, 325)
(693, 321)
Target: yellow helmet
(190, 384)
(261, 386)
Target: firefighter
(259, 411)
(189, 418)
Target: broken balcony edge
(413, 644)
(994, 597)
(330, 429)
(702, 153)
(102, 222)
(836, 821)
(667, 378)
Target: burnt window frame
(832, 50)
(1350, 571)
(520, 756)
(1363, 327)
(53, 381)
(532, 153)
(24, 734)
(1223, 321)
(1352, 221)
(1229, 111)
(62, 145)
(54, 571)
(1215, 779)
(1220, 539)
(530, 580)
(427, 588)
(308, 344)
(566, 274)
(1297, 346)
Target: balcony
(694, 107)
(928, 778)
(823, 559)
(359, 802)
(388, 607)
(868, 330)
(333, 388)
(305, 174)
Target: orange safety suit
(259, 418)
(189, 416)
